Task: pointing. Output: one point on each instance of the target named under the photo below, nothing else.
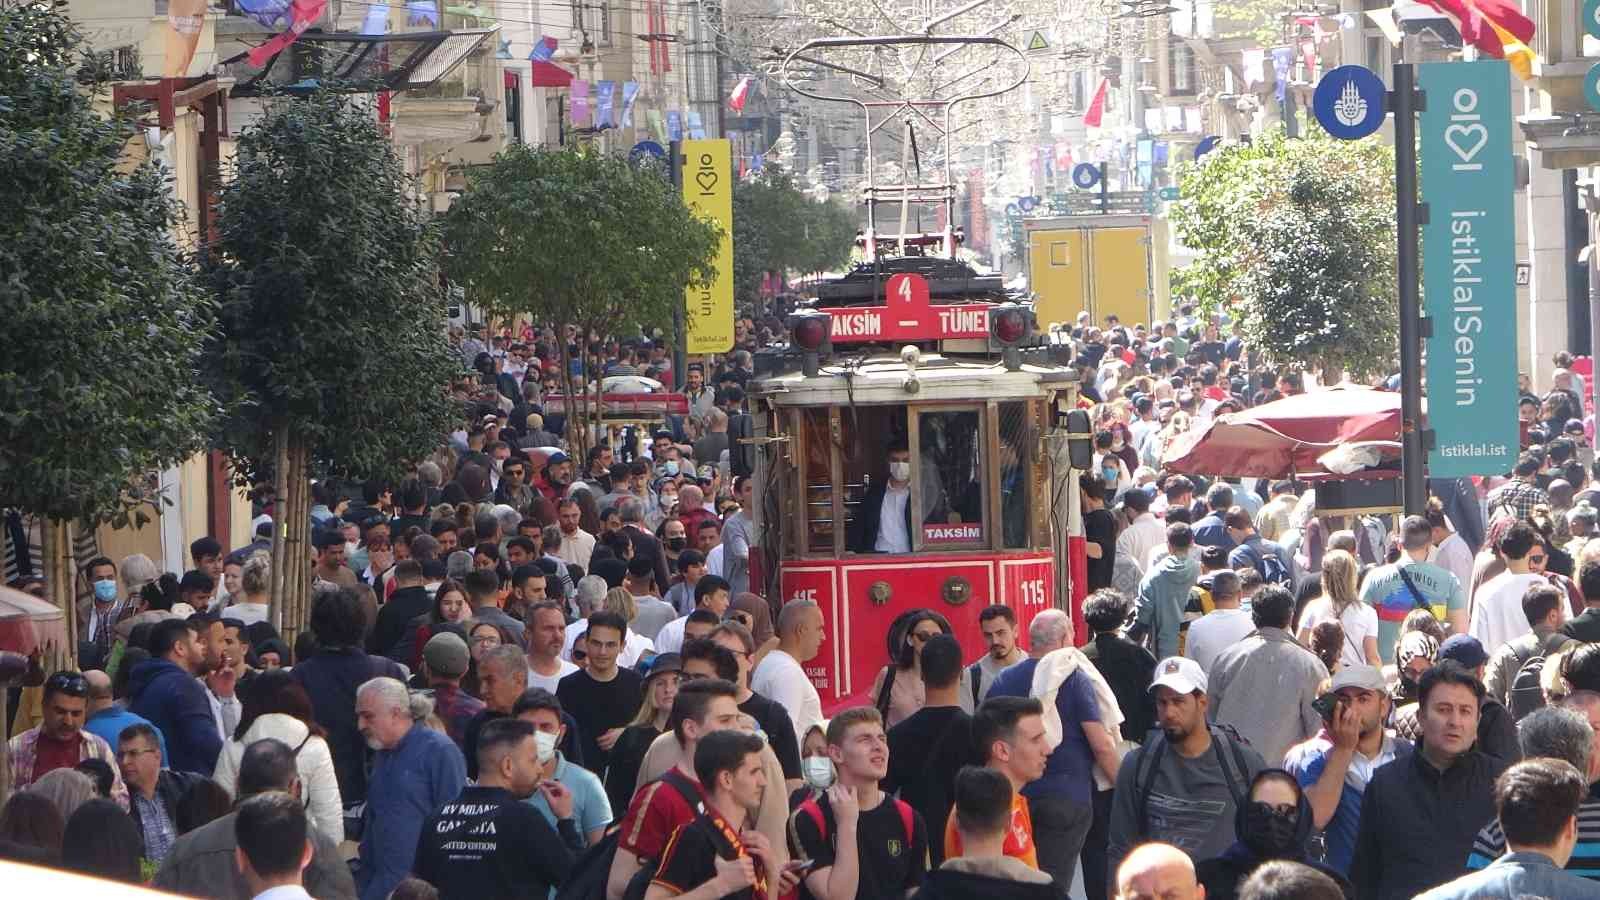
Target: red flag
(1480, 20)
(302, 15)
(1097, 107)
(741, 93)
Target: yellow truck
(1104, 263)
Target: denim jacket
(1518, 874)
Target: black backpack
(592, 871)
(1155, 744)
(1525, 694)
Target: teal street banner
(1469, 267)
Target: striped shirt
(1490, 844)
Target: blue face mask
(105, 590)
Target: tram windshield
(879, 479)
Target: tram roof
(887, 378)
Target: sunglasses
(922, 637)
(73, 684)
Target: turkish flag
(1479, 20)
(1097, 107)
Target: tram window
(950, 473)
(818, 491)
(1017, 443)
(870, 432)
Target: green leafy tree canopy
(580, 238)
(104, 320)
(1296, 241)
(331, 307)
(777, 228)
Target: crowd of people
(530, 675)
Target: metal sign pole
(1406, 102)
(680, 337)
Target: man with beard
(489, 841)
(1335, 767)
(416, 771)
(165, 691)
(1183, 787)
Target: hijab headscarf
(760, 615)
(1264, 834)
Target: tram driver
(883, 522)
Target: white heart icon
(1457, 136)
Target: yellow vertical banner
(708, 191)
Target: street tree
(778, 229)
(332, 357)
(576, 238)
(1296, 241)
(104, 319)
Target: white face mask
(544, 745)
(900, 471)
(350, 547)
(818, 771)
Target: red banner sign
(908, 316)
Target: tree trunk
(59, 575)
(577, 423)
(296, 533)
(280, 493)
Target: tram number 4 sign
(908, 315)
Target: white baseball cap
(1180, 674)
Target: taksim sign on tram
(908, 316)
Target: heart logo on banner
(706, 178)
(1457, 136)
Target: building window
(1181, 62)
(593, 18)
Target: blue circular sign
(1086, 175)
(1349, 102)
(1206, 146)
(1027, 204)
(647, 149)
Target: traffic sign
(1349, 102)
(1168, 193)
(1591, 87)
(1086, 175)
(647, 150)
(1027, 204)
(1206, 145)
(1591, 17)
(1038, 42)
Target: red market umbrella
(28, 624)
(1284, 438)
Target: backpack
(1524, 695)
(1155, 745)
(592, 871)
(1270, 565)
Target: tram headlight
(1009, 325)
(809, 332)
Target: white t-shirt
(1360, 621)
(1215, 632)
(780, 678)
(670, 638)
(548, 682)
(1454, 554)
(893, 536)
(1497, 615)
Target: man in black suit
(645, 545)
(883, 521)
